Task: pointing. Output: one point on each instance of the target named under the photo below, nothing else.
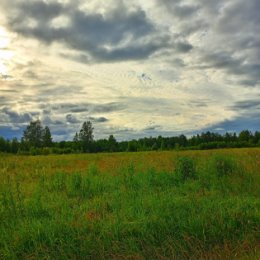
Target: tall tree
(86, 136)
(112, 143)
(33, 134)
(245, 135)
(46, 137)
(76, 138)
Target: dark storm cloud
(89, 32)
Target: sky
(133, 68)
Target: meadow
(144, 205)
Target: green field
(151, 205)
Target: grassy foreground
(153, 205)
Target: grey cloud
(107, 108)
(9, 91)
(222, 60)
(90, 32)
(15, 117)
(199, 103)
(72, 119)
(47, 120)
(234, 27)
(79, 109)
(79, 57)
(235, 66)
(247, 105)
(92, 108)
(5, 76)
(63, 106)
(178, 62)
(46, 112)
(30, 74)
(151, 128)
(178, 9)
(248, 82)
(123, 132)
(183, 47)
(98, 119)
(241, 12)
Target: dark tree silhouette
(86, 136)
(46, 137)
(33, 134)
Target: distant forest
(37, 140)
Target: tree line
(37, 139)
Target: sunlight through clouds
(182, 66)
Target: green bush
(185, 168)
(224, 165)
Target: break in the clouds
(134, 68)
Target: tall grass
(197, 209)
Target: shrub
(186, 168)
(224, 165)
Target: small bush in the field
(186, 168)
(224, 166)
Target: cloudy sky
(134, 68)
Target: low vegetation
(164, 205)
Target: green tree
(86, 136)
(33, 134)
(112, 144)
(76, 142)
(14, 145)
(76, 138)
(245, 136)
(46, 137)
